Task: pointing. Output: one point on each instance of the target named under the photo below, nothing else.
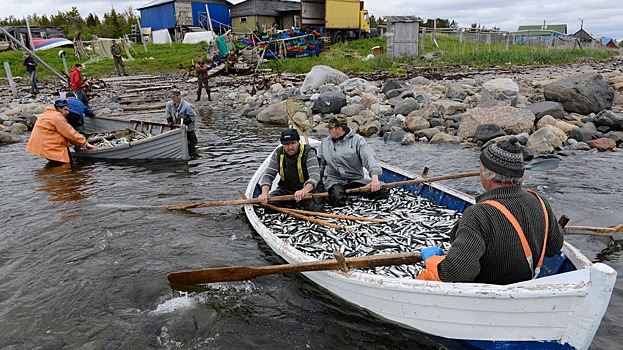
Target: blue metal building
(180, 15)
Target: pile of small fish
(414, 223)
(113, 138)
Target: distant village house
(544, 34)
(261, 15)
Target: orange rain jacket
(52, 135)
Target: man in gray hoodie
(342, 156)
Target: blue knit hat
(504, 158)
(60, 103)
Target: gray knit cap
(504, 158)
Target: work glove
(431, 251)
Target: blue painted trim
(518, 345)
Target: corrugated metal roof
(560, 28)
(154, 3)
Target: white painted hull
(560, 311)
(167, 144)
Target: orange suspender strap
(546, 228)
(524, 242)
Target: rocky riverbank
(552, 110)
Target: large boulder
(544, 108)
(610, 119)
(584, 93)
(329, 102)
(320, 75)
(512, 120)
(486, 132)
(503, 89)
(5, 137)
(586, 133)
(274, 114)
(391, 84)
(406, 106)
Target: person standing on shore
(31, 68)
(202, 78)
(115, 50)
(76, 84)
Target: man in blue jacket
(77, 110)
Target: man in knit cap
(500, 239)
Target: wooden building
(21, 33)
(403, 36)
(583, 36)
(261, 15)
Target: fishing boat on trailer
(561, 309)
(158, 142)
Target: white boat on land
(160, 142)
(561, 309)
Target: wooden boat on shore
(158, 141)
(561, 309)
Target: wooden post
(140, 32)
(62, 54)
(507, 40)
(461, 36)
(9, 76)
(423, 39)
(477, 38)
(31, 44)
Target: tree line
(112, 25)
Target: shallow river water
(83, 265)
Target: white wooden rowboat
(164, 143)
(560, 310)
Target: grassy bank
(345, 57)
(349, 56)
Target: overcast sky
(601, 17)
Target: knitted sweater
(485, 246)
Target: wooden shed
(261, 15)
(402, 36)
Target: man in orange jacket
(52, 134)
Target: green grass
(157, 59)
(346, 57)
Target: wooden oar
(300, 216)
(241, 273)
(338, 216)
(310, 195)
(586, 230)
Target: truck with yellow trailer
(341, 19)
